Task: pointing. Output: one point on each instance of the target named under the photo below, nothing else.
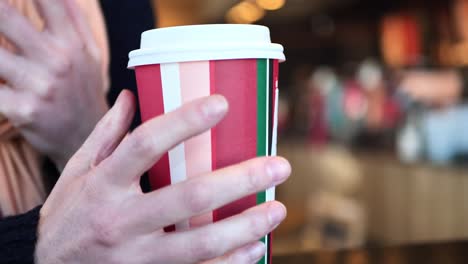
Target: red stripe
(236, 135)
(152, 105)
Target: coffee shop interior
(372, 117)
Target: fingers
(82, 27)
(15, 106)
(204, 194)
(249, 254)
(106, 136)
(57, 19)
(216, 240)
(18, 30)
(141, 149)
(22, 74)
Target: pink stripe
(195, 83)
(213, 131)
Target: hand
(97, 212)
(55, 83)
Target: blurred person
(443, 90)
(444, 85)
(317, 86)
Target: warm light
(271, 4)
(245, 12)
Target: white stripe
(267, 104)
(275, 125)
(271, 193)
(266, 250)
(170, 77)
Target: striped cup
(177, 65)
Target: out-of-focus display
(373, 116)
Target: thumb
(106, 136)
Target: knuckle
(49, 88)
(62, 66)
(5, 9)
(79, 46)
(257, 225)
(21, 77)
(105, 124)
(253, 178)
(105, 229)
(139, 143)
(238, 257)
(192, 119)
(205, 248)
(197, 197)
(30, 111)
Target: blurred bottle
(410, 144)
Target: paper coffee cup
(177, 65)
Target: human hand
(54, 91)
(97, 213)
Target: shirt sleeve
(18, 237)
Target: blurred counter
(400, 203)
(441, 253)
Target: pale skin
(97, 212)
(54, 82)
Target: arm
(18, 238)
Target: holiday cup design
(249, 83)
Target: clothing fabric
(18, 237)
(126, 20)
(20, 178)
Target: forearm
(18, 238)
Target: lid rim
(204, 43)
(163, 58)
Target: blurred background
(372, 115)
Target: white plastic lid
(205, 42)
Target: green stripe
(262, 125)
(261, 115)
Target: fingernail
(256, 252)
(214, 106)
(278, 169)
(276, 214)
